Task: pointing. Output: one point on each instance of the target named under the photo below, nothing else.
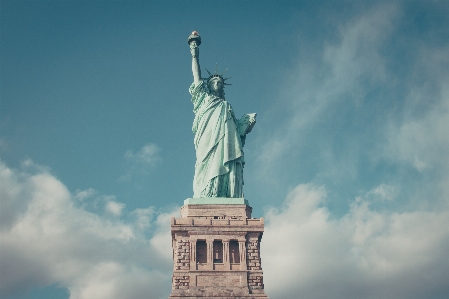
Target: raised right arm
(196, 71)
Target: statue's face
(216, 84)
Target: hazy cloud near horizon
(365, 254)
(49, 237)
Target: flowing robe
(218, 145)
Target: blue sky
(348, 162)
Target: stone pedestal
(216, 250)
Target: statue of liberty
(219, 136)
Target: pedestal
(216, 250)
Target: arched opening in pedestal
(201, 252)
(218, 251)
(234, 253)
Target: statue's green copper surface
(219, 135)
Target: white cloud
(423, 141)
(114, 207)
(143, 217)
(141, 162)
(383, 192)
(159, 241)
(47, 239)
(147, 155)
(365, 254)
(82, 195)
(420, 140)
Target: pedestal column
(192, 255)
(210, 254)
(226, 261)
(242, 251)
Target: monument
(216, 243)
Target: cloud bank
(365, 254)
(49, 236)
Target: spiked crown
(217, 75)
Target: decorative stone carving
(181, 282)
(182, 253)
(253, 251)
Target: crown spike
(216, 69)
(208, 72)
(224, 72)
(224, 79)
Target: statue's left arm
(245, 125)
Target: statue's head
(216, 83)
